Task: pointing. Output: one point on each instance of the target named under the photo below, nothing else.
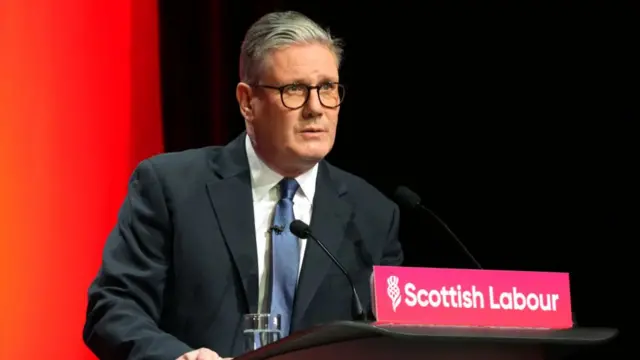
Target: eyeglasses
(294, 96)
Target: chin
(312, 158)
(312, 149)
(312, 155)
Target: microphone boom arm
(460, 243)
(359, 310)
(302, 230)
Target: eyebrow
(324, 79)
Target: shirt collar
(263, 179)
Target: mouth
(312, 131)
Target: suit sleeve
(125, 299)
(392, 254)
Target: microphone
(408, 198)
(303, 231)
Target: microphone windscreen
(299, 229)
(406, 197)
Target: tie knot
(288, 188)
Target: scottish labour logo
(393, 290)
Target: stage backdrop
(79, 107)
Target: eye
(294, 89)
(328, 86)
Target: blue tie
(285, 259)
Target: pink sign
(458, 297)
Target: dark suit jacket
(180, 267)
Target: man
(203, 235)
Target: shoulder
(181, 163)
(191, 159)
(375, 217)
(175, 170)
(360, 192)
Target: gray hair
(278, 30)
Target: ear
(244, 95)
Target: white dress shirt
(264, 185)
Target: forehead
(304, 63)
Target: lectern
(377, 341)
(451, 314)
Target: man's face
(294, 138)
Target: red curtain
(79, 107)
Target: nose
(313, 107)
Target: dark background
(513, 122)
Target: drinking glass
(260, 330)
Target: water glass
(260, 330)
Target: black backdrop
(513, 123)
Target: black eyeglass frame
(309, 88)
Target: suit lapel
(330, 216)
(232, 201)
